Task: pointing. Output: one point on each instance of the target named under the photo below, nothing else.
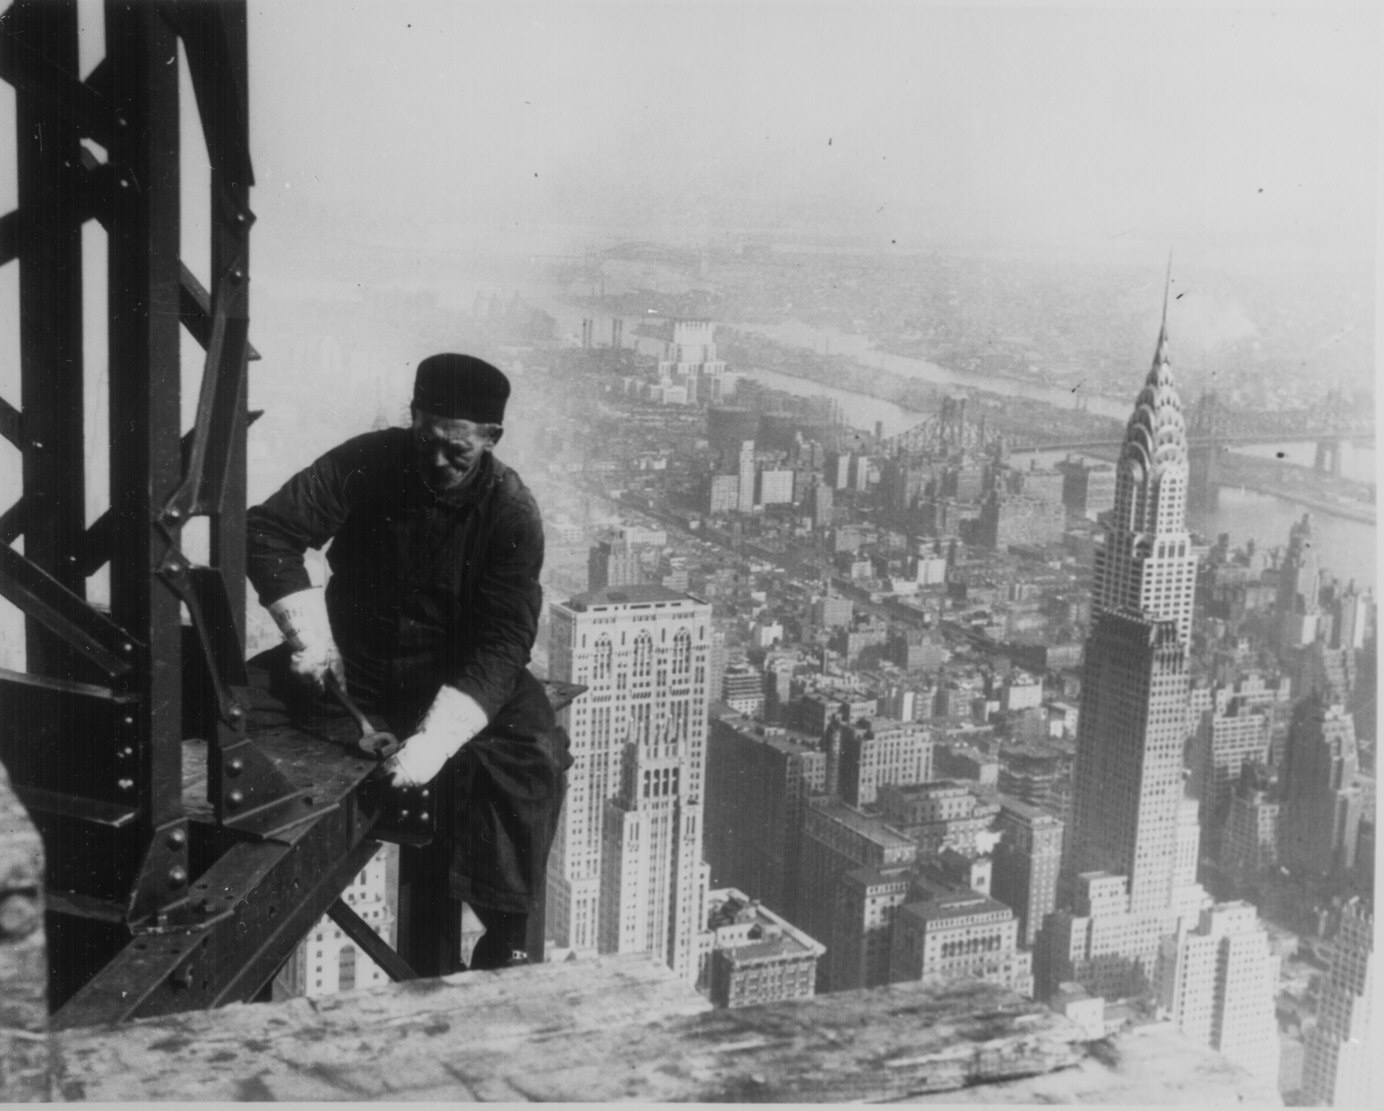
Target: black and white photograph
(713, 551)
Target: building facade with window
(626, 871)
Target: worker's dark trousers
(497, 803)
(514, 836)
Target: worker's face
(448, 449)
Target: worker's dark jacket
(429, 589)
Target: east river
(1347, 548)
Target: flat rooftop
(641, 595)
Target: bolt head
(235, 798)
(235, 765)
(177, 877)
(177, 838)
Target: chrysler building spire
(1146, 567)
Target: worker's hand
(302, 618)
(452, 720)
(417, 763)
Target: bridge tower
(1205, 431)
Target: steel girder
(97, 719)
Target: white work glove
(452, 720)
(302, 618)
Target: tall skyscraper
(1339, 1064)
(1299, 588)
(759, 779)
(1232, 731)
(626, 869)
(1129, 867)
(1027, 860)
(746, 491)
(1217, 983)
(1322, 796)
(1128, 782)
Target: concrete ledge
(623, 1029)
(23, 954)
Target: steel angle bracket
(250, 795)
(248, 792)
(159, 900)
(204, 475)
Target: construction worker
(428, 618)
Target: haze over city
(1219, 133)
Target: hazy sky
(1214, 130)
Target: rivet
(403, 813)
(237, 275)
(174, 513)
(129, 720)
(235, 798)
(235, 765)
(423, 816)
(127, 647)
(177, 839)
(177, 877)
(126, 752)
(126, 784)
(236, 712)
(121, 121)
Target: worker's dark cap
(461, 387)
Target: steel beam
(371, 943)
(144, 283)
(43, 37)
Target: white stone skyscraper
(1146, 564)
(1217, 983)
(626, 869)
(1339, 1066)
